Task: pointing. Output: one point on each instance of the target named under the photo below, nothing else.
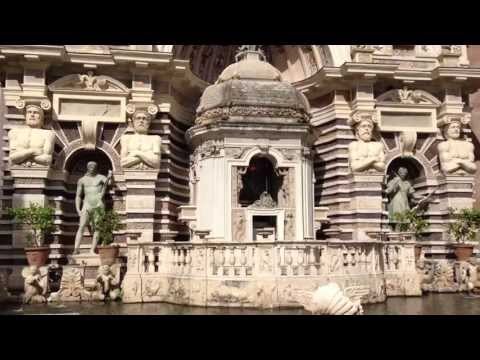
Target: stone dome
(250, 69)
(252, 90)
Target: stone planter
(463, 252)
(37, 256)
(108, 254)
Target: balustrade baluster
(188, 260)
(243, 261)
(221, 261)
(288, 261)
(151, 260)
(300, 261)
(212, 262)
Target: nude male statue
(365, 154)
(456, 155)
(140, 150)
(92, 186)
(32, 145)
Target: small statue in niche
(455, 154)
(365, 154)
(139, 150)
(32, 145)
(401, 193)
(35, 285)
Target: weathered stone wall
(474, 58)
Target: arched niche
(260, 176)
(295, 62)
(416, 171)
(76, 163)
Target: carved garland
(225, 112)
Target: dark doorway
(260, 177)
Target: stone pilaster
(140, 202)
(29, 187)
(401, 276)
(456, 191)
(366, 202)
(132, 283)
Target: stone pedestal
(140, 202)
(456, 191)
(132, 283)
(401, 276)
(366, 202)
(84, 260)
(29, 187)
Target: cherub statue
(107, 284)
(36, 285)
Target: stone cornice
(328, 79)
(34, 52)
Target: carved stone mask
(141, 122)
(364, 130)
(453, 130)
(34, 117)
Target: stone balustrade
(244, 260)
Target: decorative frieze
(225, 113)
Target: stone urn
(108, 254)
(463, 252)
(37, 256)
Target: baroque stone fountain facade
(273, 184)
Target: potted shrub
(106, 222)
(40, 221)
(464, 228)
(411, 221)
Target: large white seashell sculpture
(331, 300)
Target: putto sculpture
(456, 154)
(139, 150)
(92, 186)
(35, 285)
(107, 284)
(32, 145)
(365, 154)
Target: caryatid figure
(140, 150)
(456, 154)
(31, 145)
(365, 154)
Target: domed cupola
(252, 90)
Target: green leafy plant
(39, 219)
(410, 220)
(105, 222)
(466, 224)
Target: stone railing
(244, 260)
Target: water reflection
(432, 304)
